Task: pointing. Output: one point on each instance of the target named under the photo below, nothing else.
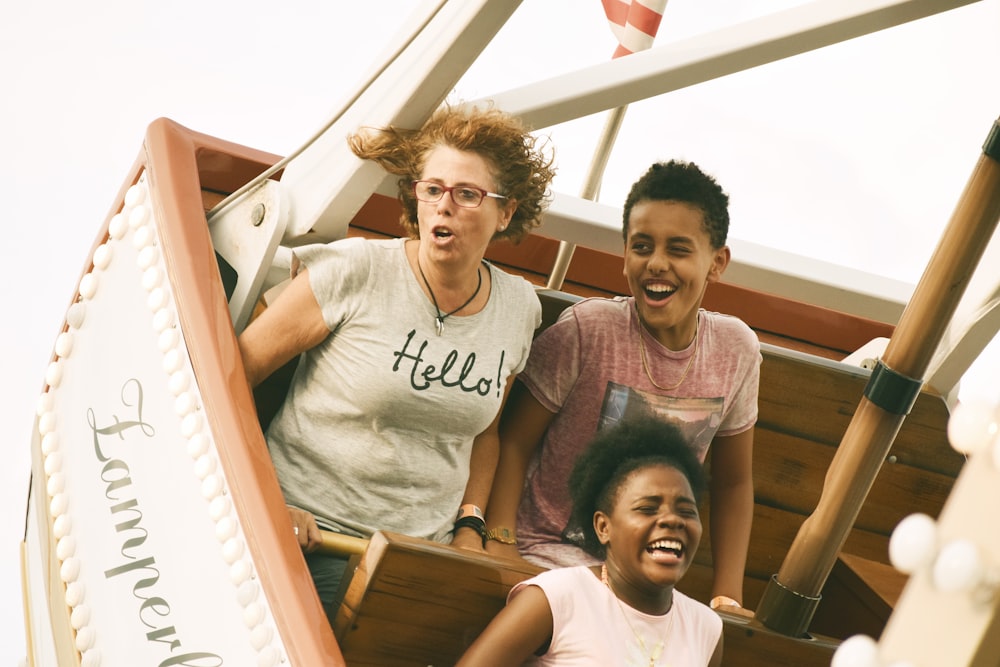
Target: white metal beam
(327, 184)
(966, 340)
(594, 225)
(709, 56)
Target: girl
(635, 498)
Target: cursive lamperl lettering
(154, 610)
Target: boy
(654, 353)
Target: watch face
(502, 535)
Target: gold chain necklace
(653, 655)
(645, 364)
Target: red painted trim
(175, 156)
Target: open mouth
(658, 291)
(442, 233)
(666, 549)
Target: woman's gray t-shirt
(378, 426)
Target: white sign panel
(150, 547)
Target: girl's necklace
(653, 655)
(439, 320)
(645, 364)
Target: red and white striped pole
(634, 23)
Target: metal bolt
(257, 215)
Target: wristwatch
(502, 535)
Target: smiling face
(669, 261)
(451, 234)
(651, 535)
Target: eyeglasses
(465, 196)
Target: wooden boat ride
(156, 532)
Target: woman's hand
(305, 529)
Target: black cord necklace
(439, 320)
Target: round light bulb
(912, 543)
(856, 651)
(973, 426)
(958, 567)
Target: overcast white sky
(855, 154)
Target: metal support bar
(591, 189)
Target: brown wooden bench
(412, 602)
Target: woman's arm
(731, 491)
(520, 630)
(291, 325)
(522, 426)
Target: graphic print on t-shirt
(697, 418)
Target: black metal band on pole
(991, 146)
(893, 392)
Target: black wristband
(473, 522)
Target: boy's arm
(522, 426)
(482, 469)
(731, 493)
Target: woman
(635, 499)
(407, 345)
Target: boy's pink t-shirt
(586, 368)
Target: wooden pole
(791, 598)
(342, 546)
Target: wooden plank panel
(858, 597)
(697, 583)
(814, 399)
(795, 389)
(772, 534)
(749, 644)
(790, 473)
(413, 602)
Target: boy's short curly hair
(522, 169)
(613, 455)
(677, 180)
